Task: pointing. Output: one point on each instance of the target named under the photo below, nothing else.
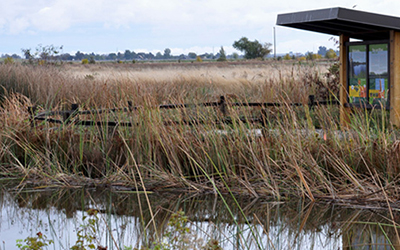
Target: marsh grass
(288, 157)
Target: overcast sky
(104, 26)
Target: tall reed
(299, 152)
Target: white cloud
(182, 24)
(58, 15)
(50, 19)
(18, 25)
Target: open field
(359, 167)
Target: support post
(222, 105)
(394, 90)
(75, 114)
(343, 96)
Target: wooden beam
(394, 90)
(343, 96)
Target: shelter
(370, 65)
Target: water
(124, 220)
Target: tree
(150, 56)
(167, 53)
(222, 56)
(192, 55)
(309, 55)
(129, 55)
(235, 55)
(330, 54)
(120, 56)
(91, 60)
(79, 55)
(322, 50)
(28, 55)
(43, 53)
(111, 56)
(66, 57)
(15, 56)
(252, 49)
(159, 55)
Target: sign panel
(368, 77)
(378, 74)
(357, 73)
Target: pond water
(124, 221)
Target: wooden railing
(72, 115)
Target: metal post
(274, 44)
(344, 111)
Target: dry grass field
(288, 158)
(104, 84)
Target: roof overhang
(337, 21)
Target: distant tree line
(323, 52)
(251, 49)
(14, 56)
(54, 53)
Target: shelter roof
(336, 21)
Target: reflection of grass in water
(283, 226)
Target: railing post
(75, 108)
(222, 105)
(69, 115)
(32, 111)
(311, 99)
(130, 105)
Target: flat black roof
(336, 21)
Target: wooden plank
(343, 95)
(394, 90)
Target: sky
(199, 26)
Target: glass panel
(378, 74)
(358, 73)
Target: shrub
(34, 243)
(235, 55)
(9, 60)
(85, 61)
(92, 61)
(287, 57)
(330, 54)
(198, 59)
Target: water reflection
(125, 220)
